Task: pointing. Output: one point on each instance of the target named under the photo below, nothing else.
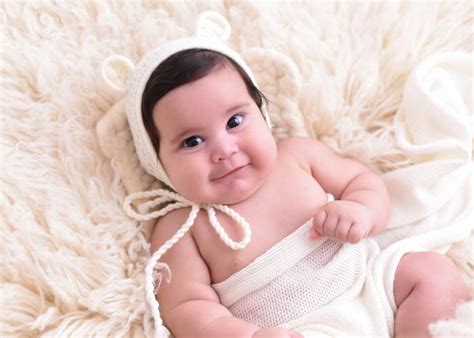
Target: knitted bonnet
(212, 31)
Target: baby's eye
(192, 141)
(235, 121)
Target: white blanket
(72, 261)
(433, 196)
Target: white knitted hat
(212, 32)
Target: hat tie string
(160, 196)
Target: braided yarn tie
(160, 196)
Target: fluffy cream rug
(72, 261)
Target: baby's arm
(188, 304)
(362, 205)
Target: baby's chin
(227, 197)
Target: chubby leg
(428, 286)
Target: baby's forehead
(219, 90)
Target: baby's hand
(276, 332)
(345, 221)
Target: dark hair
(181, 68)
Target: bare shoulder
(184, 254)
(168, 225)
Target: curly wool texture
(72, 262)
(461, 326)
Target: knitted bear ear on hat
(115, 141)
(113, 132)
(116, 70)
(211, 25)
(280, 81)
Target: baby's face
(214, 142)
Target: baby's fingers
(330, 225)
(357, 233)
(325, 224)
(318, 224)
(342, 230)
(313, 234)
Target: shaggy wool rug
(72, 261)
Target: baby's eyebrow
(237, 107)
(180, 135)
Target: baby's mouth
(228, 173)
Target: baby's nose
(224, 149)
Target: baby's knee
(437, 275)
(428, 287)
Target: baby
(207, 122)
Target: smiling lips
(229, 173)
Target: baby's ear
(116, 143)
